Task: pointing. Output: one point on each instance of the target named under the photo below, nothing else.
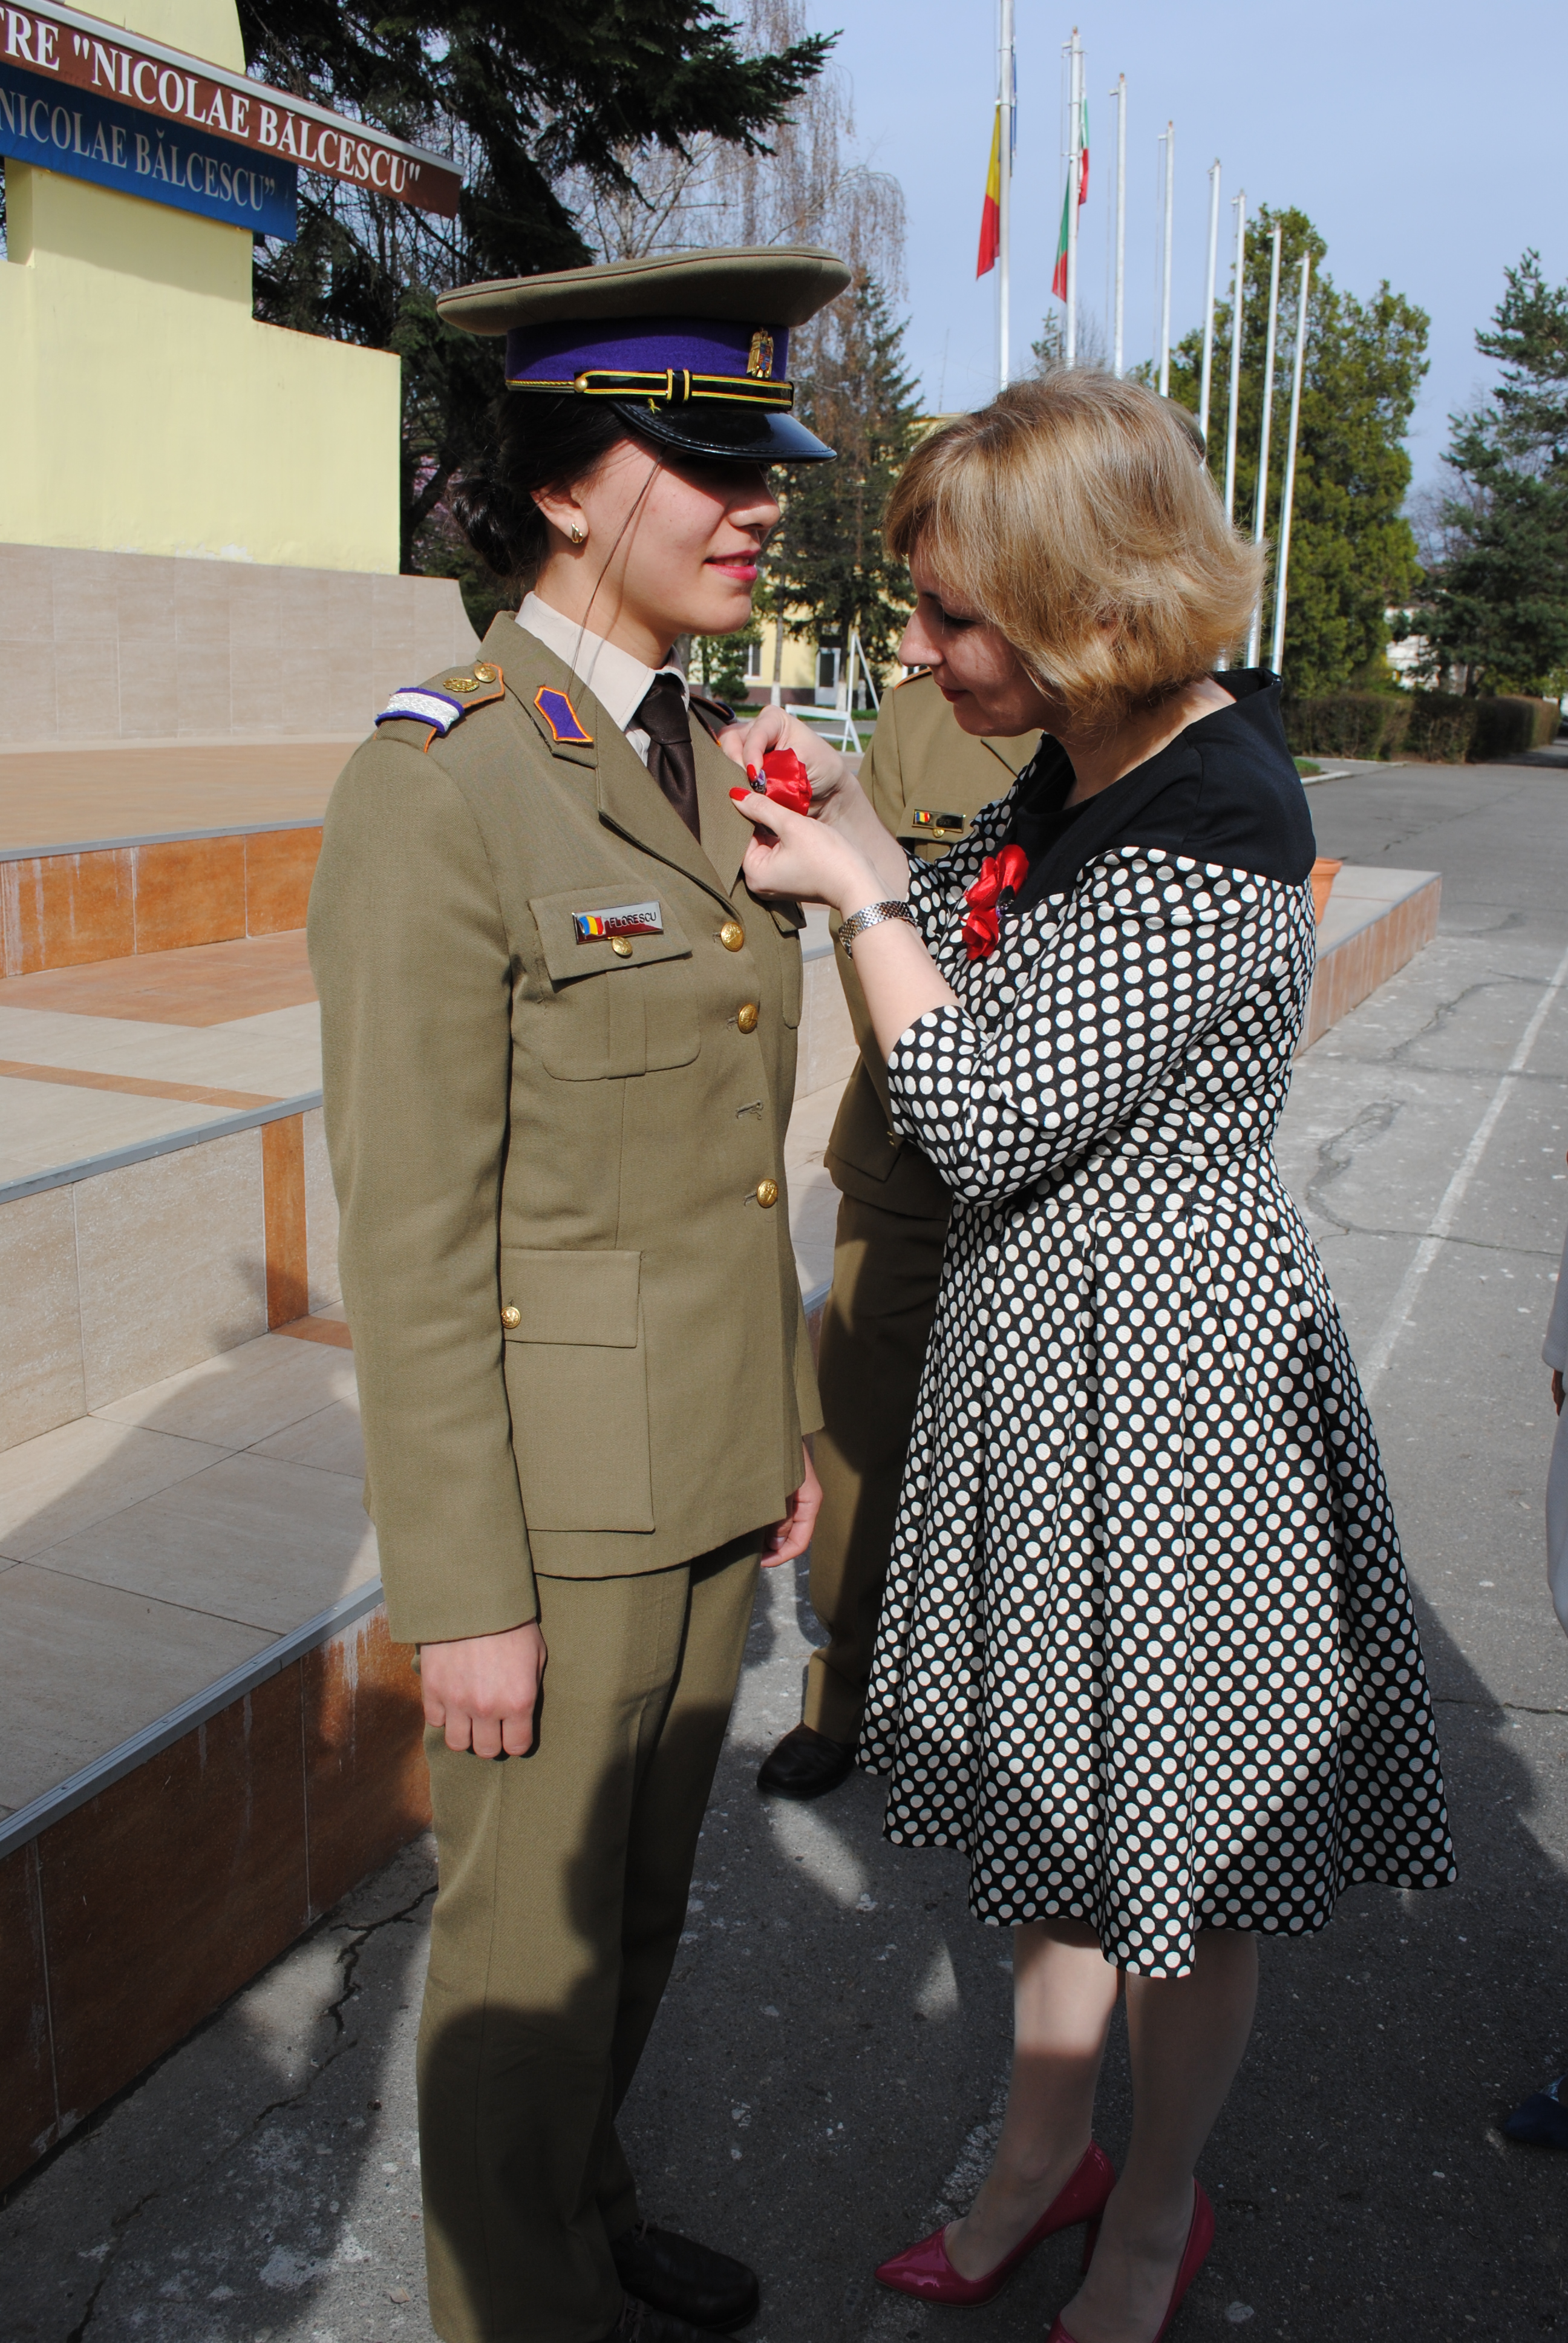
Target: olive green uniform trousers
(875, 1328)
(564, 1878)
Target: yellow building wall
(143, 407)
(800, 666)
(203, 29)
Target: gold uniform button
(620, 946)
(732, 935)
(745, 1015)
(511, 1315)
(460, 683)
(766, 1192)
(484, 672)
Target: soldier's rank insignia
(561, 716)
(423, 704)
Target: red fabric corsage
(783, 778)
(788, 782)
(1000, 874)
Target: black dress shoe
(683, 2281)
(639, 2324)
(806, 1765)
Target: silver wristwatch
(872, 915)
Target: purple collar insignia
(561, 716)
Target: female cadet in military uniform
(559, 1044)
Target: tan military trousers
(875, 1328)
(564, 1878)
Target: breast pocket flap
(628, 941)
(571, 1297)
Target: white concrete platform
(154, 1544)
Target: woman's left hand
(793, 854)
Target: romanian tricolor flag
(1059, 273)
(991, 211)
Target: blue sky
(1426, 142)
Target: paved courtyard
(824, 2078)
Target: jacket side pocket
(577, 1382)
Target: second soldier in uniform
(926, 779)
(559, 1053)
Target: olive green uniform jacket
(565, 1239)
(919, 764)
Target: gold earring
(578, 534)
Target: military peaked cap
(692, 348)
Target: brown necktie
(663, 716)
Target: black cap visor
(725, 435)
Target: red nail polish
(741, 796)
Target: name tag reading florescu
(617, 919)
(938, 825)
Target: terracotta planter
(1324, 872)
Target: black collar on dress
(1110, 818)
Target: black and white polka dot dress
(1147, 1651)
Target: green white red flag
(1059, 273)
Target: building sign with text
(87, 139)
(83, 97)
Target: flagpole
(1120, 94)
(1287, 498)
(1004, 202)
(1240, 204)
(1165, 274)
(1074, 166)
(1207, 379)
(1260, 500)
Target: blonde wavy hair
(1072, 515)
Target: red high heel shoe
(925, 2271)
(1194, 2254)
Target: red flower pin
(788, 782)
(1000, 874)
(785, 779)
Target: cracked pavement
(823, 2082)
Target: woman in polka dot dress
(1147, 1652)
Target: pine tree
(828, 563)
(1353, 553)
(1497, 605)
(528, 100)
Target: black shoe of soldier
(680, 2280)
(806, 1765)
(639, 2324)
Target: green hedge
(1440, 724)
(1508, 726)
(1434, 727)
(1361, 724)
